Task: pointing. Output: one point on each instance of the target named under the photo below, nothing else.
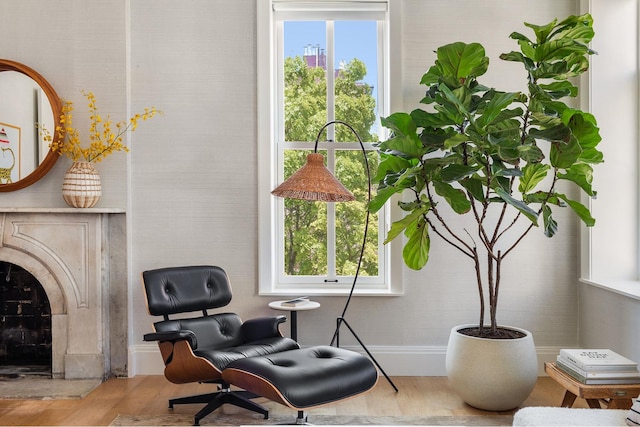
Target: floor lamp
(314, 182)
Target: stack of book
(601, 366)
(296, 302)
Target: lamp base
(336, 339)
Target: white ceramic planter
(492, 374)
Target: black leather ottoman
(305, 378)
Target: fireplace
(25, 323)
(72, 265)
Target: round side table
(277, 305)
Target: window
(611, 249)
(320, 62)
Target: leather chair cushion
(221, 357)
(217, 331)
(183, 289)
(307, 377)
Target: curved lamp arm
(366, 224)
(314, 182)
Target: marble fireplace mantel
(63, 210)
(79, 258)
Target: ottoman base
(305, 378)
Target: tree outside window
(308, 250)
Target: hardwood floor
(144, 395)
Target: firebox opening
(25, 324)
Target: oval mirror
(26, 100)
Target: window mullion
(331, 136)
(330, 75)
(331, 242)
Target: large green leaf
(381, 197)
(399, 123)
(426, 119)
(581, 210)
(557, 90)
(391, 165)
(542, 31)
(583, 127)
(578, 28)
(530, 153)
(532, 175)
(592, 156)
(405, 146)
(555, 133)
(519, 205)
(398, 227)
(455, 140)
(582, 175)
(461, 60)
(475, 187)
(432, 75)
(506, 124)
(550, 224)
(416, 251)
(565, 155)
(453, 106)
(495, 107)
(520, 37)
(508, 151)
(528, 63)
(558, 50)
(456, 172)
(391, 184)
(455, 197)
(498, 169)
(553, 70)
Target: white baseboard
(409, 361)
(145, 359)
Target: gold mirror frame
(56, 108)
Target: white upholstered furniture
(545, 416)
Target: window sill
(319, 292)
(627, 288)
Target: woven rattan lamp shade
(313, 182)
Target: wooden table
(615, 396)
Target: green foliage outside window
(305, 225)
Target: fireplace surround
(79, 257)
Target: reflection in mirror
(26, 100)
(21, 148)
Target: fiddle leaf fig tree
(494, 156)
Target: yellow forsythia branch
(104, 136)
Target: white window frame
(270, 209)
(610, 251)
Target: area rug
(343, 420)
(46, 388)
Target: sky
(353, 39)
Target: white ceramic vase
(492, 374)
(82, 187)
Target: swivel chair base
(215, 400)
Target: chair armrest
(173, 336)
(263, 327)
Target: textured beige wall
(189, 184)
(75, 45)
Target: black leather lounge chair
(197, 349)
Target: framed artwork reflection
(10, 142)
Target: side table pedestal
(293, 310)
